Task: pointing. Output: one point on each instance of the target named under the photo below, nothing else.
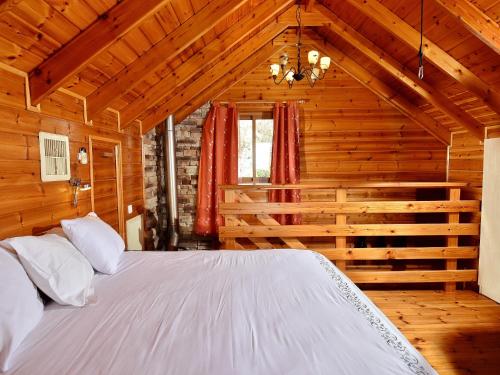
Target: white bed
(226, 312)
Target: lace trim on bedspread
(411, 360)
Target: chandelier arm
(292, 69)
(322, 74)
(311, 81)
(309, 72)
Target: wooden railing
(439, 241)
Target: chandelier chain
(299, 41)
(421, 49)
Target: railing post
(452, 241)
(259, 230)
(229, 197)
(341, 219)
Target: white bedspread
(229, 312)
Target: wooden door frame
(119, 178)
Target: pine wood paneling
(466, 159)
(108, 27)
(458, 333)
(26, 203)
(347, 133)
(33, 31)
(405, 32)
(466, 164)
(347, 243)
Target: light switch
(130, 209)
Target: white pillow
(56, 267)
(20, 308)
(97, 240)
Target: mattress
(220, 312)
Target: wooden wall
(466, 164)
(466, 157)
(26, 203)
(370, 144)
(347, 133)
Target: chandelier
(313, 73)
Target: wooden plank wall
(466, 156)
(372, 144)
(466, 164)
(26, 203)
(347, 133)
(466, 160)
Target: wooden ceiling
(147, 59)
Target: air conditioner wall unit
(54, 157)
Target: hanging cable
(299, 34)
(421, 49)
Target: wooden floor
(458, 333)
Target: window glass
(263, 145)
(255, 139)
(245, 149)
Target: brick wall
(188, 136)
(154, 190)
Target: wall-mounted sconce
(83, 156)
(78, 186)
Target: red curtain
(218, 165)
(285, 165)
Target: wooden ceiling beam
(289, 38)
(261, 15)
(49, 75)
(6, 5)
(385, 92)
(308, 19)
(375, 11)
(163, 51)
(234, 76)
(405, 76)
(212, 76)
(478, 23)
(310, 5)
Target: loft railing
(436, 248)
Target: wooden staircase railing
(249, 225)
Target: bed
(220, 312)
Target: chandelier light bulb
(284, 59)
(313, 57)
(274, 69)
(324, 63)
(289, 77)
(315, 74)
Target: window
(255, 138)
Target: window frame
(254, 116)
